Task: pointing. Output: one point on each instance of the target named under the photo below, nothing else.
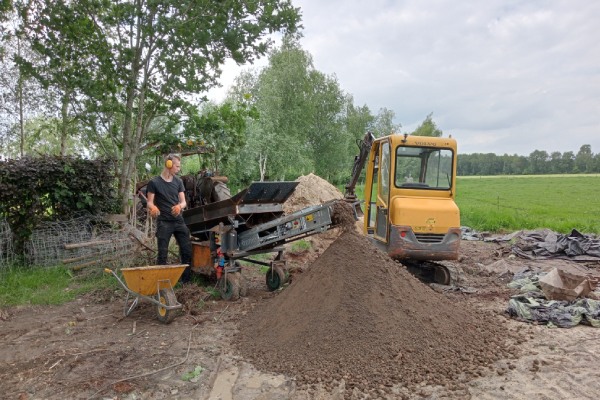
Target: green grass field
(509, 203)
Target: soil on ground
(353, 325)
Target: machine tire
(275, 278)
(230, 287)
(167, 297)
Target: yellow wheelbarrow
(153, 283)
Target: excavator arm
(359, 163)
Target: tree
(277, 142)
(568, 162)
(383, 124)
(584, 159)
(21, 96)
(554, 162)
(538, 160)
(428, 128)
(136, 62)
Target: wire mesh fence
(81, 242)
(6, 244)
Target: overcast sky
(501, 76)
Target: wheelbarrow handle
(108, 270)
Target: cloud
(501, 76)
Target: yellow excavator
(409, 207)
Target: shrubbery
(50, 188)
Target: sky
(500, 76)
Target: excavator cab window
(423, 168)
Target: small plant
(300, 246)
(192, 376)
(213, 292)
(263, 269)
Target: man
(166, 201)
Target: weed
(300, 246)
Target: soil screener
(251, 222)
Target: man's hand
(154, 211)
(176, 210)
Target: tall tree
(568, 162)
(538, 161)
(428, 128)
(21, 96)
(383, 124)
(584, 159)
(136, 61)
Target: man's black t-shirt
(166, 195)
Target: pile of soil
(358, 316)
(311, 190)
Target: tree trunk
(20, 96)
(64, 124)
(262, 166)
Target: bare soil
(352, 324)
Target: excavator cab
(409, 207)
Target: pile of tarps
(563, 314)
(531, 304)
(545, 244)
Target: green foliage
(300, 246)
(192, 375)
(137, 65)
(57, 285)
(538, 162)
(560, 203)
(302, 125)
(428, 128)
(52, 188)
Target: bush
(53, 188)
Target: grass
(508, 203)
(46, 286)
(300, 246)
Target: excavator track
(440, 272)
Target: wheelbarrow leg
(128, 309)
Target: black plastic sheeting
(547, 244)
(562, 314)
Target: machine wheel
(230, 287)
(441, 275)
(166, 297)
(276, 277)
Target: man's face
(176, 167)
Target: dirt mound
(357, 315)
(311, 190)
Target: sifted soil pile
(358, 316)
(311, 190)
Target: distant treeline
(538, 162)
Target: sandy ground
(87, 349)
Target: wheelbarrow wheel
(166, 297)
(230, 287)
(275, 278)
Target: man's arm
(182, 201)
(177, 208)
(154, 211)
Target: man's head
(173, 164)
